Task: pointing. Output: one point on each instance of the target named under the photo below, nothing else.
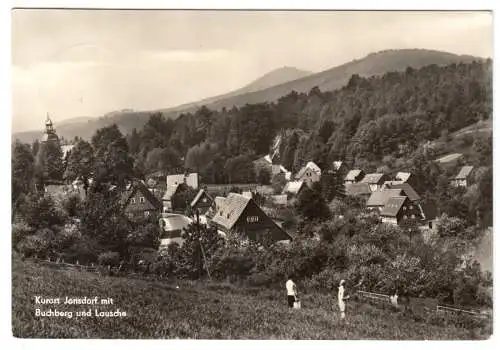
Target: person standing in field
(291, 291)
(342, 297)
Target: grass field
(204, 311)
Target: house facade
(172, 200)
(294, 188)
(138, 201)
(310, 174)
(399, 208)
(202, 202)
(354, 176)
(241, 215)
(463, 178)
(191, 180)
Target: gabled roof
(198, 196)
(393, 206)
(230, 212)
(352, 175)
(310, 165)
(357, 189)
(402, 176)
(407, 189)
(380, 198)
(337, 164)
(449, 158)
(293, 187)
(374, 178)
(268, 159)
(464, 173)
(151, 202)
(219, 202)
(169, 193)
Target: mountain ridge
(376, 63)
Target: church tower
(50, 135)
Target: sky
(74, 63)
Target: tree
(164, 159)
(240, 169)
(332, 185)
(41, 212)
(23, 164)
(113, 163)
(311, 204)
(80, 162)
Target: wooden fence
(454, 310)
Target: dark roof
(150, 203)
(464, 173)
(357, 189)
(429, 211)
(171, 190)
(373, 178)
(353, 174)
(393, 206)
(199, 195)
(408, 190)
(380, 198)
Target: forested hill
(373, 121)
(287, 80)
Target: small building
(191, 180)
(404, 177)
(375, 181)
(202, 202)
(464, 177)
(310, 174)
(241, 215)
(138, 201)
(399, 208)
(339, 166)
(358, 190)
(280, 199)
(354, 176)
(294, 188)
(378, 199)
(172, 226)
(171, 200)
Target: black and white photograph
(251, 174)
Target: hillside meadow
(207, 310)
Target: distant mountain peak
(275, 77)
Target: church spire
(50, 133)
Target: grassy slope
(213, 311)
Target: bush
(19, 232)
(109, 258)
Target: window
(204, 200)
(411, 207)
(133, 201)
(404, 208)
(252, 219)
(146, 213)
(413, 216)
(405, 216)
(142, 200)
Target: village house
(378, 199)
(399, 208)
(294, 188)
(464, 177)
(138, 201)
(375, 181)
(339, 167)
(354, 176)
(310, 173)
(191, 180)
(241, 215)
(171, 227)
(202, 202)
(172, 201)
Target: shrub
(19, 232)
(109, 258)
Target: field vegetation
(205, 310)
